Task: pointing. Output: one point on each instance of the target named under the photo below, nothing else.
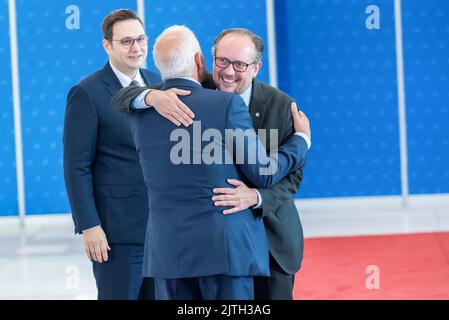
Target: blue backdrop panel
(8, 186)
(344, 77)
(52, 59)
(207, 18)
(426, 64)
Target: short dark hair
(258, 42)
(116, 16)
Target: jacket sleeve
(250, 155)
(80, 140)
(123, 99)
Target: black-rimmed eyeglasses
(129, 42)
(238, 66)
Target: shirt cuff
(259, 203)
(139, 101)
(305, 137)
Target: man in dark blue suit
(103, 177)
(193, 250)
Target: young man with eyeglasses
(103, 177)
(237, 60)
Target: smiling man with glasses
(245, 60)
(269, 109)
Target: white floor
(44, 260)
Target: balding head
(176, 52)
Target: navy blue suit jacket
(102, 174)
(187, 235)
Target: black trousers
(277, 287)
(218, 287)
(120, 278)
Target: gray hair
(258, 42)
(178, 60)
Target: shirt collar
(190, 78)
(124, 79)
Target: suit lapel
(145, 78)
(110, 80)
(257, 105)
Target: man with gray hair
(192, 249)
(176, 61)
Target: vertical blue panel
(207, 18)
(52, 59)
(8, 185)
(344, 77)
(426, 64)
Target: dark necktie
(134, 83)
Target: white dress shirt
(124, 79)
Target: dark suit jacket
(281, 218)
(102, 174)
(187, 235)
(269, 109)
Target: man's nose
(229, 69)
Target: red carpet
(411, 266)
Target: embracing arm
(259, 168)
(167, 104)
(265, 200)
(123, 99)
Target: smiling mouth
(228, 81)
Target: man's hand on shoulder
(300, 121)
(170, 106)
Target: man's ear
(199, 60)
(107, 46)
(257, 68)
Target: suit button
(257, 114)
